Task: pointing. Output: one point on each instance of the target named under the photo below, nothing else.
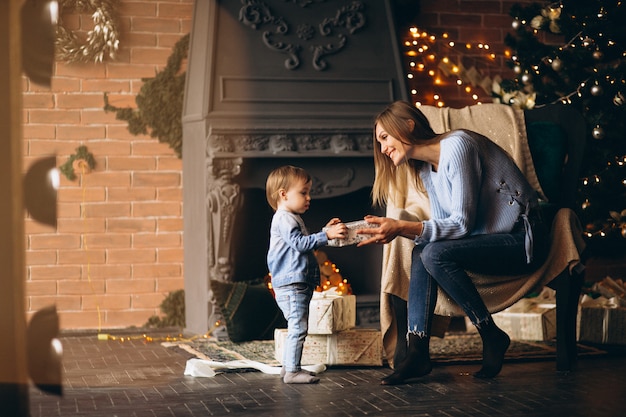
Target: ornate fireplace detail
(244, 115)
(350, 18)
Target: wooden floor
(133, 378)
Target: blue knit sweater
(477, 189)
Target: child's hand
(336, 229)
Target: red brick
(132, 194)
(131, 225)
(138, 8)
(108, 210)
(170, 225)
(42, 257)
(62, 302)
(157, 271)
(134, 163)
(58, 273)
(80, 287)
(131, 256)
(158, 240)
(79, 225)
(106, 302)
(54, 116)
(128, 318)
(157, 179)
(82, 256)
(54, 242)
(157, 209)
(130, 286)
(108, 240)
(154, 56)
(99, 272)
(161, 25)
(39, 287)
(173, 255)
(80, 101)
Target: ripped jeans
(444, 263)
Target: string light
(430, 55)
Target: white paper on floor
(207, 368)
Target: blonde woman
(481, 208)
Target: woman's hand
(386, 230)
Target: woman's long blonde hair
(390, 179)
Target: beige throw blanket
(505, 126)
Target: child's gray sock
(300, 377)
(283, 372)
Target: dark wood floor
(133, 378)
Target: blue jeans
(444, 263)
(294, 300)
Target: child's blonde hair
(282, 178)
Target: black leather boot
(495, 344)
(417, 362)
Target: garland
(80, 162)
(101, 40)
(159, 102)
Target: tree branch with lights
(574, 53)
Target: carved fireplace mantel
(269, 83)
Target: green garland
(101, 41)
(159, 102)
(81, 161)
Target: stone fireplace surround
(270, 83)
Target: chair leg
(568, 288)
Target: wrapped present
(362, 347)
(602, 320)
(528, 319)
(330, 312)
(353, 237)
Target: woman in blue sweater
(481, 205)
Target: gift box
(528, 319)
(330, 313)
(362, 347)
(353, 237)
(602, 321)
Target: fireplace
(270, 83)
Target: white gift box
(353, 237)
(349, 347)
(528, 320)
(330, 313)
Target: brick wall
(117, 250)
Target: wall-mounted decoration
(80, 162)
(102, 41)
(334, 30)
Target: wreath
(101, 40)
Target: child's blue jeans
(294, 300)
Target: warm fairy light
(433, 55)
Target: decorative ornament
(515, 24)
(80, 162)
(101, 41)
(597, 132)
(596, 90)
(597, 55)
(517, 69)
(619, 99)
(527, 78)
(557, 64)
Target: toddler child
(291, 261)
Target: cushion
(548, 147)
(249, 309)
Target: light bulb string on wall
(83, 184)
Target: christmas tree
(574, 52)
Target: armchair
(547, 144)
